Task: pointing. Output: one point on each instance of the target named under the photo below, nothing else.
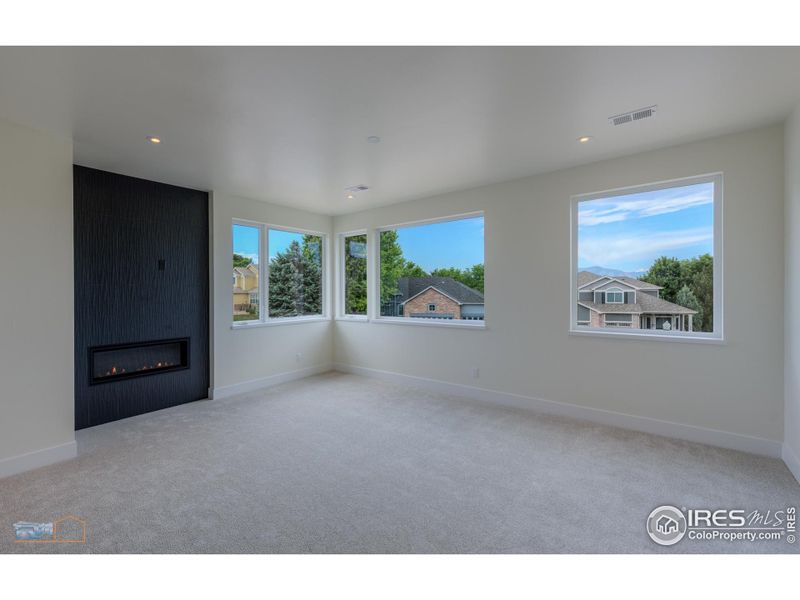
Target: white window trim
(264, 320)
(715, 337)
(373, 302)
(614, 290)
(341, 315)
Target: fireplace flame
(121, 370)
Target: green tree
(412, 269)
(472, 277)
(295, 281)
(392, 264)
(241, 261)
(665, 272)
(686, 298)
(355, 275)
(697, 275)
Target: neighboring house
(606, 301)
(434, 298)
(245, 288)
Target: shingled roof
(586, 277)
(409, 287)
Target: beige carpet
(341, 463)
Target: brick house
(605, 301)
(434, 298)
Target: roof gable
(592, 281)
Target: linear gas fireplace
(124, 361)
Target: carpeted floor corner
(344, 464)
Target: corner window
(648, 260)
(353, 268)
(433, 272)
(284, 267)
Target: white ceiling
(289, 125)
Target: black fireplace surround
(141, 296)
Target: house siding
(443, 304)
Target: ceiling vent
(354, 189)
(633, 115)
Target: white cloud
(597, 212)
(609, 250)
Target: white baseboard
(792, 461)
(39, 458)
(264, 382)
(691, 433)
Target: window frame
(615, 291)
(374, 308)
(340, 275)
(715, 337)
(264, 319)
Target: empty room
(393, 300)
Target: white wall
(36, 299)
(245, 358)
(525, 349)
(791, 449)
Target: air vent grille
(633, 115)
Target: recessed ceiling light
(349, 196)
(373, 139)
(153, 139)
(585, 138)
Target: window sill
(455, 323)
(353, 318)
(659, 337)
(279, 321)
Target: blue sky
(245, 241)
(630, 232)
(447, 244)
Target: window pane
(246, 240)
(355, 275)
(433, 271)
(295, 274)
(650, 255)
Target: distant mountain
(613, 272)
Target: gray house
(605, 301)
(434, 298)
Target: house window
(246, 271)
(295, 274)
(353, 268)
(660, 247)
(283, 266)
(424, 264)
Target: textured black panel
(141, 274)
